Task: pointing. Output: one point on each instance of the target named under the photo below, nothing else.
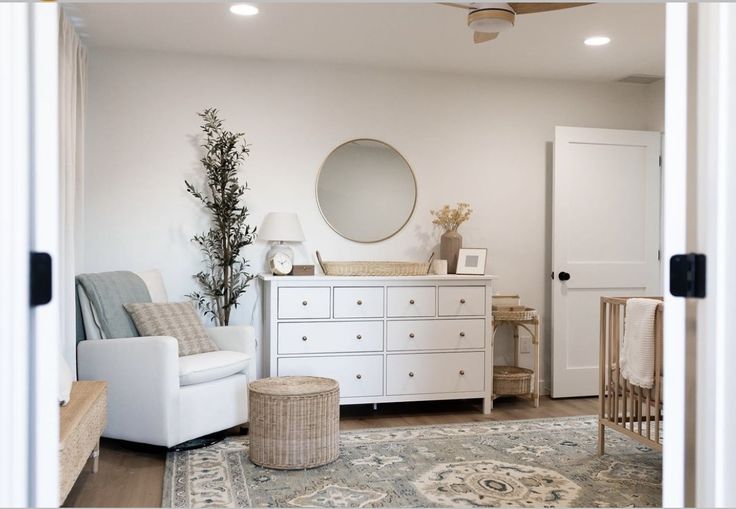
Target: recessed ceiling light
(598, 40)
(244, 9)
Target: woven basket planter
(511, 381)
(294, 422)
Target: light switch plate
(525, 345)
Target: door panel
(606, 235)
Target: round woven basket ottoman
(294, 422)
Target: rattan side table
(294, 422)
(515, 380)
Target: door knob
(564, 276)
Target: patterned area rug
(533, 463)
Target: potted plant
(226, 276)
(449, 219)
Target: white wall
(481, 140)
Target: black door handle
(40, 279)
(563, 276)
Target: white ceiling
(408, 36)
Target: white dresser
(384, 339)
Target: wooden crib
(626, 408)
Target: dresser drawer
(435, 334)
(411, 301)
(358, 376)
(425, 373)
(306, 302)
(363, 302)
(462, 300)
(329, 337)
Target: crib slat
(638, 409)
(657, 371)
(601, 363)
(649, 413)
(615, 341)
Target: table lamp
(281, 227)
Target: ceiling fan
(487, 20)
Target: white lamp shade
(282, 227)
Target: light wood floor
(131, 475)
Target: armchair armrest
(237, 338)
(143, 384)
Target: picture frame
(472, 261)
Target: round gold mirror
(366, 190)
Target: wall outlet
(525, 345)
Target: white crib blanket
(637, 345)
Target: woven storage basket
(511, 380)
(370, 268)
(514, 314)
(294, 422)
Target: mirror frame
(411, 171)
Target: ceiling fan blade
(479, 37)
(459, 6)
(532, 7)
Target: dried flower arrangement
(450, 219)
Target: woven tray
(514, 314)
(371, 268)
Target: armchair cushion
(177, 319)
(205, 367)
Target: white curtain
(72, 102)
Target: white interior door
(605, 241)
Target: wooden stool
(81, 424)
(528, 319)
(294, 422)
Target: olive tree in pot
(225, 277)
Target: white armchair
(155, 396)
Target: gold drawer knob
(359, 336)
(462, 334)
(411, 301)
(411, 374)
(411, 335)
(304, 338)
(358, 376)
(360, 303)
(462, 301)
(462, 371)
(304, 303)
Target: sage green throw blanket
(108, 292)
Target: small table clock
(280, 263)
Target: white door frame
(699, 463)
(45, 227)
(715, 170)
(14, 248)
(674, 219)
(29, 340)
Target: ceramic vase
(450, 244)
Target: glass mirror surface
(366, 190)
